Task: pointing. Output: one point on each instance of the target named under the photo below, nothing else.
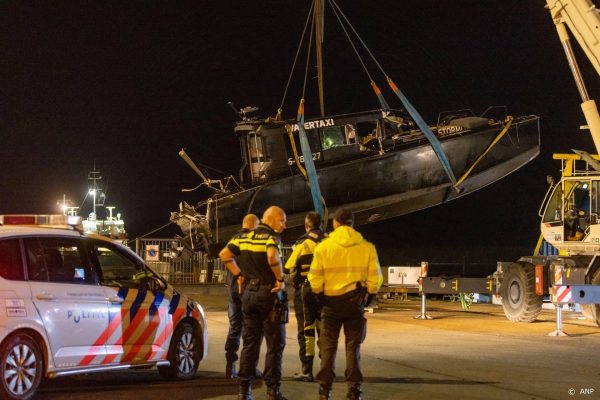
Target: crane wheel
(519, 301)
(592, 311)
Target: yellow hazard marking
(508, 123)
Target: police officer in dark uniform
(234, 308)
(263, 305)
(305, 303)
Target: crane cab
(570, 217)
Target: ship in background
(102, 220)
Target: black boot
(245, 390)
(273, 393)
(354, 391)
(307, 368)
(230, 372)
(324, 393)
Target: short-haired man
(344, 273)
(234, 306)
(261, 271)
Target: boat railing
(446, 116)
(492, 112)
(495, 112)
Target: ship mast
(94, 176)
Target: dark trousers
(234, 312)
(312, 319)
(299, 309)
(257, 306)
(334, 315)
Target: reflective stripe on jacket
(301, 257)
(250, 249)
(343, 260)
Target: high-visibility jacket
(299, 261)
(250, 249)
(343, 260)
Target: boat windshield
(333, 136)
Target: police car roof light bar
(58, 220)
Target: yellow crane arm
(583, 20)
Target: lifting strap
(310, 172)
(508, 123)
(382, 101)
(435, 143)
(295, 152)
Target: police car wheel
(184, 354)
(21, 367)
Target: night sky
(126, 85)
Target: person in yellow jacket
(305, 303)
(345, 275)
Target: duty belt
(256, 283)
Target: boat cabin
(267, 148)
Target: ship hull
(391, 184)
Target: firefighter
(264, 306)
(234, 306)
(345, 275)
(305, 303)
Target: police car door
(137, 311)
(71, 304)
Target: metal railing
(179, 267)
(183, 267)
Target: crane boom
(583, 20)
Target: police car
(72, 303)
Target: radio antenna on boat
(235, 110)
(205, 181)
(243, 113)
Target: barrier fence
(168, 258)
(165, 257)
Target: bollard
(424, 269)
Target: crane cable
(433, 140)
(336, 10)
(311, 176)
(287, 86)
(308, 171)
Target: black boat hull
(387, 185)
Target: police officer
(264, 312)
(234, 307)
(346, 275)
(305, 303)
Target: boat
(111, 225)
(379, 164)
(387, 170)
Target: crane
(569, 212)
